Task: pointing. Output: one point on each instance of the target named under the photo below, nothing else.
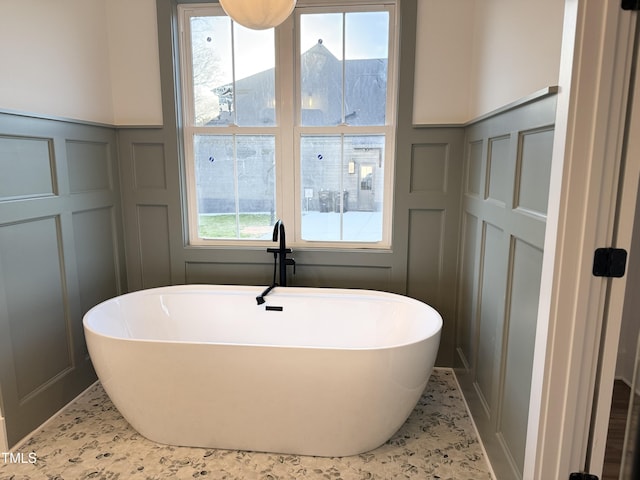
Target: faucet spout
(276, 229)
(283, 240)
(260, 298)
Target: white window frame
(288, 130)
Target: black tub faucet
(281, 253)
(279, 260)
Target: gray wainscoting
(506, 186)
(60, 253)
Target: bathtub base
(266, 402)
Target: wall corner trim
(535, 96)
(538, 95)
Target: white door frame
(627, 204)
(590, 120)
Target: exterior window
(295, 123)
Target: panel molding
(154, 240)
(489, 332)
(524, 291)
(470, 261)
(474, 173)
(18, 149)
(522, 140)
(92, 233)
(429, 167)
(144, 163)
(425, 262)
(494, 188)
(34, 245)
(89, 166)
(543, 172)
(28, 397)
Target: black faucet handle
(291, 261)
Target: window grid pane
(321, 78)
(211, 60)
(342, 187)
(235, 186)
(365, 75)
(233, 72)
(254, 65)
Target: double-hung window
(294, 123)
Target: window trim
(289, 131)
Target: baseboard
(475, 427)
(4, 442)
(46, 422)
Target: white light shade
(258, 14)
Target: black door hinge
(609, 262)
(583, 476)
(630, 4)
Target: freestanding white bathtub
(333, 373)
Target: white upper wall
(54, 58)
(93, 60)
(443, 61)
(516, 51)
(475, 56)
(97, 60)
(135, 70)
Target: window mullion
(341, 189)
(287, 184)
(233, 73)
(236, 189)
(344, 71)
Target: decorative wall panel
(228, 273)
(474, 168)
(149, 166)
(155, 259)
(534, 170)
(424, 270)
(491, 312)
(343, 276)
(89, 166)
(331, 276)
(520, 328)
(498, 169)
(35, 291)
(429, 167)
(95, 231)
(465, 343)
(27, 167)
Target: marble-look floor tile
(91, 440)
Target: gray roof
(364, 95)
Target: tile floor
(90, 440)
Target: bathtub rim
(434, 331)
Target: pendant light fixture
(258, 14)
